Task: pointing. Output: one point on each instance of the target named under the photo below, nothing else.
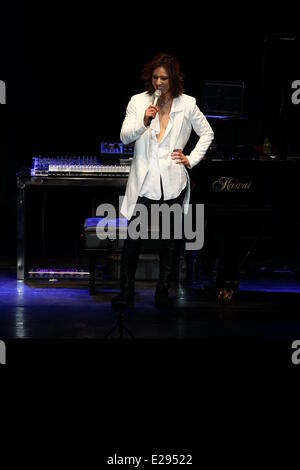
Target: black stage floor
(267, 309)
(60, 321)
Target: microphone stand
(119, 326)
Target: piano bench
(93, 243)
(117, 227)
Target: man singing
(160, 128)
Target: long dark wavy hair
(172, 66)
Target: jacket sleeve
(132, 127)
(205, 133)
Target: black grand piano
(252, 212)
(252, 207)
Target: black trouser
(169, 250)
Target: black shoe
(162, 300)
(122, 301)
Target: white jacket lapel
(177, 112)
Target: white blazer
(186, 115)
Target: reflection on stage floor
(267, 309)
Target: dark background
(70, 71)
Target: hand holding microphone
(151, 111)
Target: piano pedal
(227, 297)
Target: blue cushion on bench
(91, 223)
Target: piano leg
(21, 267)
(92, 270)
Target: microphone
(156, 97)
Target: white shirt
(172, 174)
(186, 116)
